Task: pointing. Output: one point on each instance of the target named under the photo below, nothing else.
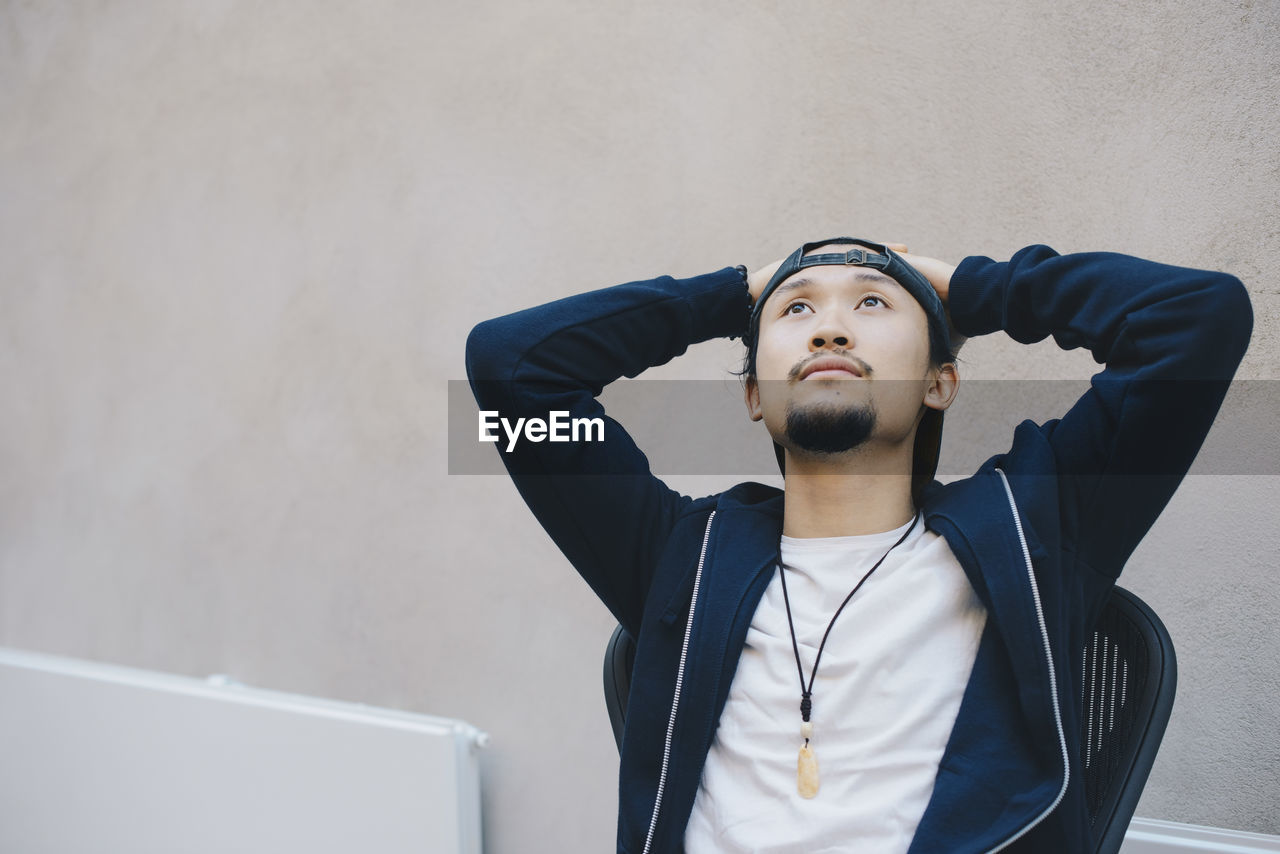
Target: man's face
(842, 361)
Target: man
(868, 660)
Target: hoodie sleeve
(1170, 338)
(598, 499)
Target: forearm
(597, 499)
(1171, 339)
(586, 341)
(1176, 322)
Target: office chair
(1129, 677)
(1130, 674)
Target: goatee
(826, 429)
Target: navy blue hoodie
(1042, 530)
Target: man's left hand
(938, 273)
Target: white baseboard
(1151, 836)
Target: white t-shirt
(885, 699)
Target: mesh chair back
(619, 658)
(1129, 678)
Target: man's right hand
(757, 280)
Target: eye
(792, 308)
(876, 300)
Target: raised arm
(597, 499)
(1171, 339)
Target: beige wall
(241, 245)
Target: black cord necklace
(807, 765)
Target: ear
(943, 385)
(751, 394)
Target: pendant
(807, 772)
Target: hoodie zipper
(1053, 681)
(1044, 636)
(675, 700)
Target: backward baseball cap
(928, 442)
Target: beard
(827, 429)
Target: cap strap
(880, 258)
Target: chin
(828, 427)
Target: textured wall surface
(241, 246)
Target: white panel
(101, 758)
(1149, 836)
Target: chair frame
(1121, 786)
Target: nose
(839, 341)
(831, 334)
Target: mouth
(830, 368)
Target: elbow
(1233, 312)
(1218, 317)
(486, 369)
(486, 356)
